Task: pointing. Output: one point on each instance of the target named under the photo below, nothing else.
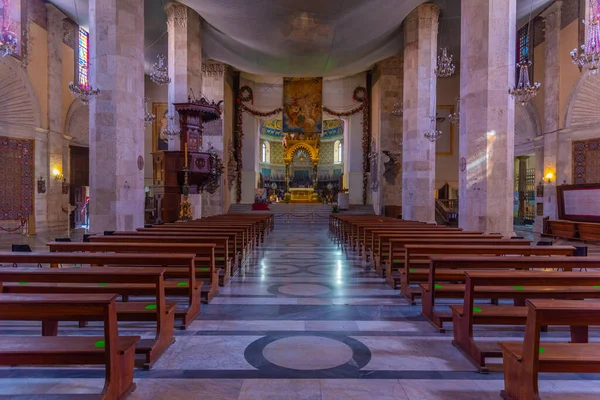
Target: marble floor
(303, 320)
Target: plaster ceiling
(298, 37)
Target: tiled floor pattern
(303, 320)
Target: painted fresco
(302, 105)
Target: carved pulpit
(205, 168)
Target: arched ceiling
(294, 37)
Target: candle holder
(185, 208)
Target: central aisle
(305, 320)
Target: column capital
(551, 10)
(213, 69)
(54, 13)
(176, 15)
(523, 158)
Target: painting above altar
(302, 105)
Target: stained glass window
(523, 44)
(84, 57)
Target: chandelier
(167, 133)
(433, 134)
(589, 57)
(454, 117)
(8, 40)
(524, 91)
(148, 117)
(398, 110)
(160, 73)
(83, 92)
(445, 66)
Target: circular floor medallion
(308, 353)
(304, 289)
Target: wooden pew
(221, 244)
(204, 261)
(444, 268)
(114, 352)
(189, 289)
(520, 286)
(121, 281)
(238, 250)
(523, 361)
(381, 242)
(397, 253)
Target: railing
(447, 209)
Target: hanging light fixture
(589, 57)
(148, 117)
(445, 67)
(454, 117)
(168, 133)
(84, 92)
(160, 73)
(8, 39)
(524, 91)
(433, 133)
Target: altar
(301, 194)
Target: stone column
(539, 176)
(552, 18)
(56, 217)
(418, 153)
(486, 140)
(185, 59)
(390, 126)
(116, 115)
(213, 87)
(522, 185)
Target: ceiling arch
(584, 103)
(19, 104)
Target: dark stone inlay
(361, 355)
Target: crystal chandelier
(524, 91)
(454, 117)
(160, 73)
(589, 57)
(148, 117)
(445, 66)
(8, 40)
(83, 92)
(168, 133)
(433, 134)
(398, 110)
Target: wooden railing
(447, 209)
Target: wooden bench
(381, 242)
(221, 244)
(520, 286)
(397, 254)
(238, 248)
(445, 274)
(102, 281)
(189, 288)
(204, 261)
(116, 353)
(523, 361)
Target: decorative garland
(245, 94)
(359, 95)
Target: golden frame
(158, 109)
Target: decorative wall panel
(586, 161)
(16, 179)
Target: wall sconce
(548, 177)
(41, 185)
(57, 175)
